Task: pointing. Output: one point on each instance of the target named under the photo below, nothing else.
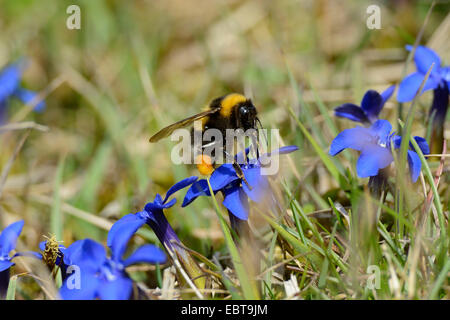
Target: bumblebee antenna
(264, 134)
(262, 128)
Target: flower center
(110, 269)
(106, 272)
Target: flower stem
(438, 113)
(169, 239)
(240, 227)
(379, 183)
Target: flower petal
(285, 150)
(118, 289)
(424, 57)
(445, 73)
(386, 94)
(372, 103)
(382, 128)
(351, 111)
(27, 96)
(411, 84)
(5, 264)
(236, 201)
(198, 188)
(42, 245)
(9, 80)
(282, 150)
(87, 290)
(397, 141)
(146, 254)
(265, 158)
(372, 159)
(222, 176)
(180, 185)
(120, 234)
(126, 219)
(414, 165)
(423, 145)
(157, 205)
(87, 253)
(355, 138)
(8, 237)
(258, 183)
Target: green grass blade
(329, 164)
(406, 132)
(324, 112)
(249, 288)
(430, 178)
(443, 276)
(298, 246)
(11, 293)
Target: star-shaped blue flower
(374, 143)
(10, 77)
(8, 241)
(236, 192)
(102, 276)
(153, 215)
(440, 76)
(371, 106)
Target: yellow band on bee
(229, 102)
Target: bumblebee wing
(167, 131)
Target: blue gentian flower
(371, 106)
(374, 143)
(415, 165)
(236, 192)
(440, 76)
(153, 215)
(102, 276)
(10, 77)
(8, 240)
(439, 81)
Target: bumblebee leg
(240, 174)
(238, 170)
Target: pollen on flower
(51, 251)
(204, 165)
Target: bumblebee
(231, 111)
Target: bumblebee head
(247, 115)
